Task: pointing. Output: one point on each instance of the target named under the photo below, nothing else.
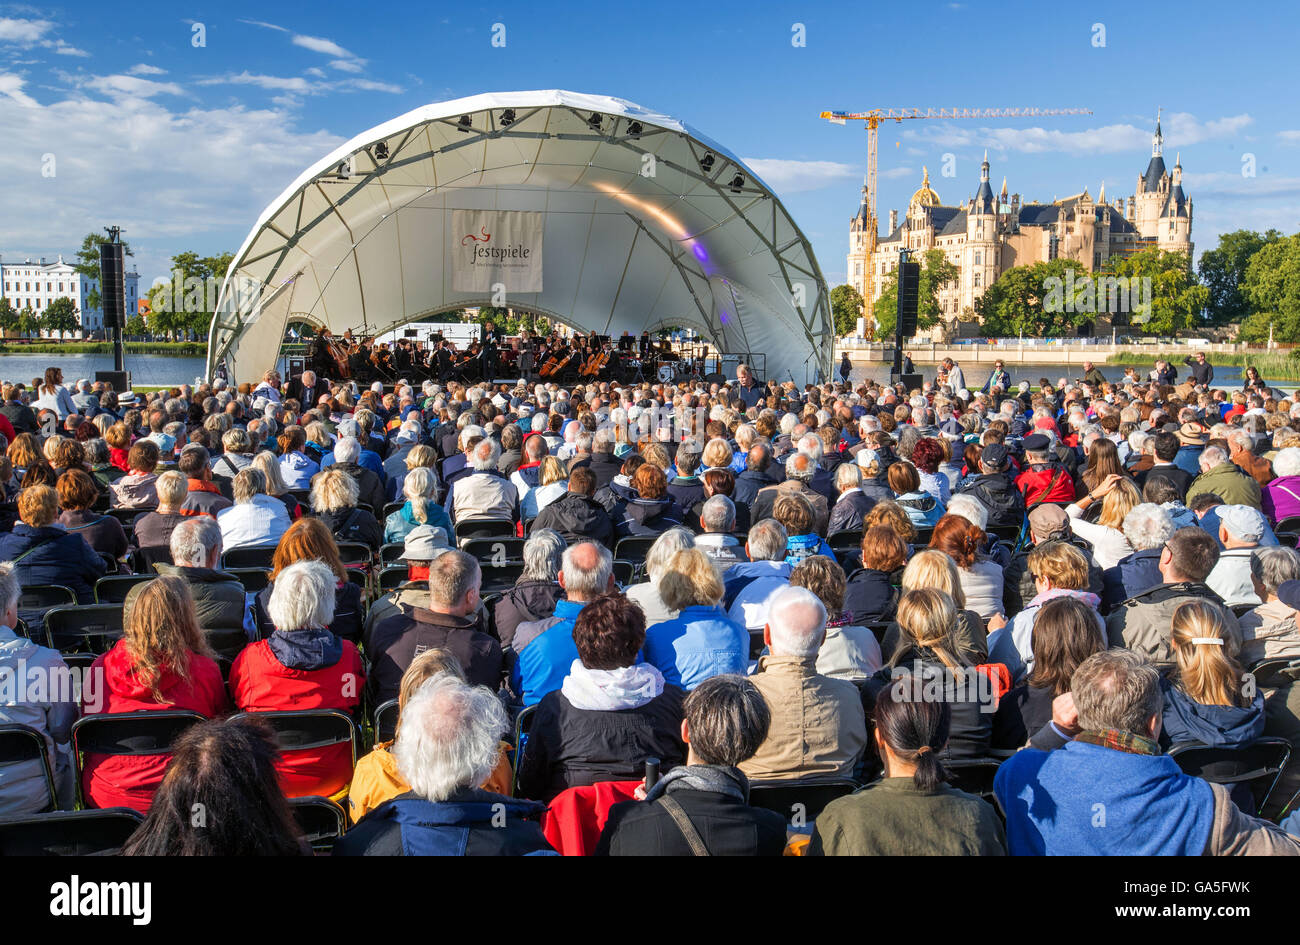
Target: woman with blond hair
(934, 569)
(928, 662)
(420, 488)
(265, 462)
(161, 662)
(44, 552)
(1204, 700)
(24, 453)
(334, 499)
(1119, 497)
(646, 594)
(889, 513)
(700, 641)
(308, 539)
(552, 484)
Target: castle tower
(861, 243)
(1175, 230)
(979, 263)
(1152, 189)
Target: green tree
(29, 322)
(186, 307)
(8, 316)
(88, 264)
(936, 272)
(1272, 288)
(61, 316)
(846, 306)
(1223, 269)
(136, 325)
(1177, 299)
(1043, 300)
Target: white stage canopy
(588, 209)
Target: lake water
(147, 370)
(1229, 378)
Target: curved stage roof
(589, 209)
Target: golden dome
(924, 197)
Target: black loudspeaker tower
(111, 290)
(909, 291)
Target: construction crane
(875, 116)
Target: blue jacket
(1219, 726)
(401, 522)
(471, 822)
(50, 555)
(1133, 575)
(369, 459)
(1087, 800)
(544, 652)
(799, 547)
(700, 642)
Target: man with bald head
(541, 651)
(818, 726)
(800, 469)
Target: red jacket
(1034, 481)
(259, 682)
(117, 457)
(113, 686)
(575, 817)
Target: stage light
(507, 117)
(737, 182)
(594, 121)
(381, 151)
(464, 124)
(634, 130)
(706, 162)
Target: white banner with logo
(491, 249)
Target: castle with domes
(989, 234)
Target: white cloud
(1289, 137)
(1180, 129)
(11, 87)
(347, 65)
(63, 49)
(1230, 186)
(322, 45)
(273, 82)
(370, 85)
(145, 69)
(128, 86)
(785, 176)
(26, 32)
(267, 26)
(314, 72)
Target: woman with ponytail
(981, 578)
(911, 811)
(1203, 698)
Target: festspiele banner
(492, 248)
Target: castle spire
(1158, 139)
(1101, 196)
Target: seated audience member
(610, 714)
(105, 473)
(44, 553)
(448, 739)
(994, 488)
(719, 483)
(552, 482)
(49, 709)
(795, 514)
(161, 662)
(646, 594)
(910, 811)
(931, 568)
(227, 769)
(296, 467)
(420, 489)
(751, 583)
(1204, 700)
(1281, 497)
(309, 540)
(135, 490)
(715, 538)
(800, 471)
(377, 779)
(537, 591)
(817, 724)
(484, 492)
(981, 577)
(927, 659)
(1119, 497)
(153, 529)
(726, 721)
(1164, 447)
(870, 595)
(1064, 635)
(449, 620)
(400, 464)
(203, 496)
(1141, 623)
(237, 455)
(302, 665)
(648, 510)
(219, 601)
(422, 546)
(543, 650)
(105, 534)
(1051, 798)
(256, 520)
(265, 462)
(370, 484)
(1146, 529)
(576, 515)
(1220, 476)
(1269, 630)
(1240, 530)
(922, 508)
(701, 641)
(849, 651)
(852, 504)
(1059, 570)
(334, 500)
(1046, 523)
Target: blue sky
(184, 146)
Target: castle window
(977, 280)
(979, 258)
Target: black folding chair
(114, 588)
(391, 507)
(320, 820)
(83, 628)
(1288, 526)
(624, 572)
(490, 551)
(127, 516)
(799, 800)
(1008, 533)
(1266, 671)
(36, 599)
(1257, 766)
(923, 536)
(68, 833)
(236, 558)
(756, 643)
(386, 721)
(392, 552)
(468, 528)
(226, 642)
(634, 548)
(355, 553)
(497, 580)
(1240, 610)
(146, 732)
(310, 729)
(523, 722)
(253, 579)
(20, 743)
(973, 775)
(145, 559)
(850, 541)
(391, 578)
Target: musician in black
(319, 357)
(444, 361)
(645, 345)
(489, 340)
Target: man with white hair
(306, 390)
(749, 584)
(1241, 529)
(718, 519)
(484, 493)
(85, 400)
(818, 726)
(256, 520)
(852, 504)
(458, 464)
(448, 743)
(800, 470)
(1146, 528)
(370, 487)
(1220, 476)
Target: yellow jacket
(377, 779)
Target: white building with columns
(38, 283)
